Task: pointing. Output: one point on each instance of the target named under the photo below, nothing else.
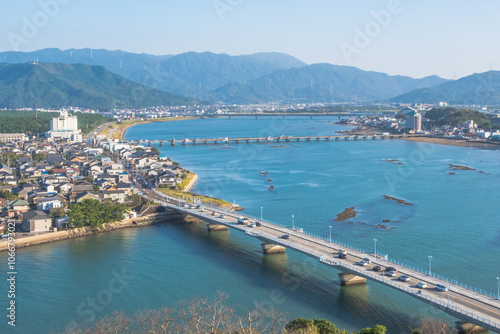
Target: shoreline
(191, 184)
(123, 131)
(46, 238)
(454, 142)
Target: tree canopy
(454, 117)
(95, 213)
(32, 123)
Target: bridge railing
(426, 272)
(413, 292)
(444, 278)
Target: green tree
(302, 325)
(325, 327)
(378, 329)
(58, 213)
(8, 195)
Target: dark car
(258, 224)
(343, 255)
(377, 268)
(391, 269)
(285, 236)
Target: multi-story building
(413, 121)
(65, 127)
(12, 137)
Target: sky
(448, 38)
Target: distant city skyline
(405, 37)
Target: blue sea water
(453, 217)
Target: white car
(441, 287)
(422, 285)
(362, 263)
(390, 273)
(404, 278)
(367, 260)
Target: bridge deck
(460, 302)
(271, 139)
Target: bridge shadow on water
(286, 280)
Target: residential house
(86, 195)
(115, 195)
(18, 205)
(36, 221)
(48, 203)
(126, 187)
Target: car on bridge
(390, 273)
(422, 285)
(222, 216)
(367, 260)
(441, 287)
(285, 236)
(391, 269)
(362, 263)
(377, 268)
(404, 278)
(258, 224)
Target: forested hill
(30, 123)
(63, 85)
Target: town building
(12, 137)
(65, 127)
(413, 121)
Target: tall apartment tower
(413, 121)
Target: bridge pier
(149, 144)
(466, 328)
(347, 279)
(374, 137)
(161, 143)
(215, 228)
(172, 142)
(337, 138)
(272, 248)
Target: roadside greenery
(95, 213)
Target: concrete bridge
(478, 310)
(271, 139)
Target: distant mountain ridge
(475, 89)
(49, 85)
(321, 83)
(191, 73)
(255, 78)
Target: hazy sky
(407, 37)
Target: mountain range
(255, 78)
(49, 85)
(475, 89)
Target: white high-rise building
(64, 122)
(65, 127)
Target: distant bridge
(272, 139)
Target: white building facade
(65, 127)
